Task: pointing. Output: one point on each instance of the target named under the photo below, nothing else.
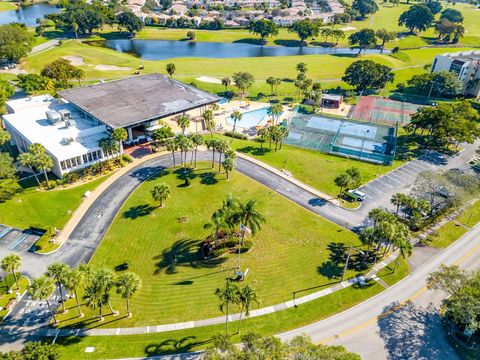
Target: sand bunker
(348, 28)
(112, 68)
(209, 79)
(75, 60)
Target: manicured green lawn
(454, 229)
(9, 283)
(392, 275)
(7, 6)
(109, 347)
(289, 254)
(311, 167)
(43, 209)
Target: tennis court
(364, 141)
(381, 110)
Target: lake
(167, 49)
(27, 15)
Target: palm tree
(226, 81)
(172, 145)
(28, 159)
(397, 200)
(87, 274)
(170, 69)
(227, 296)
(271, 81)
(301, 67)
(41, 289)
(245, 297)
(283, 132)
(120, 135)
(222, 147)
(95, 297)
(105, 280)
(197, 140)
(236, 116)
(58, 272)
(11, 263)
(275, 111)
(127, 285)
(208, 118)
(262, 134)
(161, 193)
(73, 280)
(212, 144)
(250, 216)
(405, 248)
(218, 221)
(228, 164)
(184, 122)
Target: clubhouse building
(71, 127)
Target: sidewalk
(220, 319)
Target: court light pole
(348, 259)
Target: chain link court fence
(372, 142)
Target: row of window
(77, 160)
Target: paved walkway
(220, 319)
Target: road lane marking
(395, 308)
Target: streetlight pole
(431, 88)
(346, 262)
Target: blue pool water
(222, 101)
(252, 118)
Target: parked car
(358, 195)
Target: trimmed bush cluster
(235, 135)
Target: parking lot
(16, 240)
(395, 180)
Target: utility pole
(346, 262)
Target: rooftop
(137, 99)
(464, 55)
(62, 141)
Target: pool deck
(226, 110)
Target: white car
(358, 194)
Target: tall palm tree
(397, 200)
(127, 285)
(301, 67)
(87, 274)
(11, 263)
(74, 279)
(227, 296)
(262, 134)
(28, 159)
(197, 140)
(283, 133)
(208, 118)
(249, 215)
(184, 123)
(105, 279)
(218, 222)
(236, 116)
(246, 296)
(226, 81)
(222, 147)
(41, 289)
(170, 69)
(160, 193)
(228, 165)
(185, 144)
(120, 135)
(212, 145)
(275, 111)
(58, 272)
(405, 248)
(172, 146)
(95, 297)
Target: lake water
(166, 49)
(27, 15)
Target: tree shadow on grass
(254, 150)
(183, 252)
(185, 173)
(208, 178)
(171, 346)
(138, 211)
(333, 268)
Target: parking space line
(18, 241)
(389, 177)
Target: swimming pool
(222, 101)
(251, 118)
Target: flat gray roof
(137, 99)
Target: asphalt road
(85, 238)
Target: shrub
(235, 135)
(127, 158)
(8, 188)
(43, 241)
